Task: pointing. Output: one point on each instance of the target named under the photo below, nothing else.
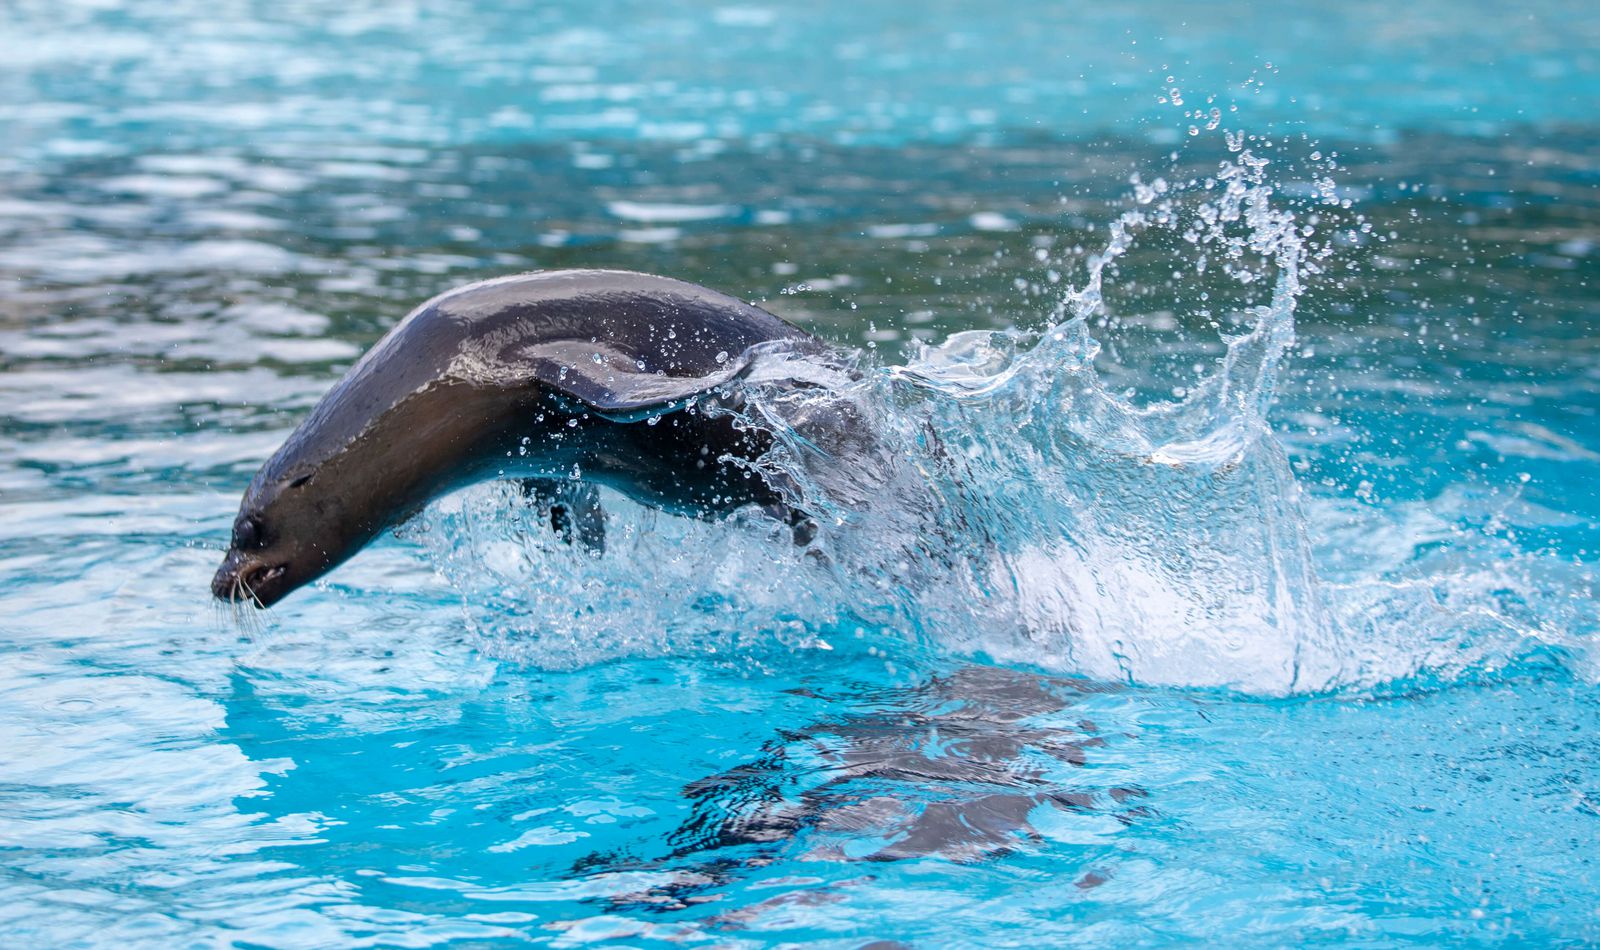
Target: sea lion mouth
(248, 584)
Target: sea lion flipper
(572, 508)
(614, 382)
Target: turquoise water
(1250, 599)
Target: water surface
(1313, 666)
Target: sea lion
(563, 379)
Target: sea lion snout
(242, 578)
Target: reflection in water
(961, 767)
(952, 768)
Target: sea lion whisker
(249, 592)
(244, 620)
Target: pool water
(1224, 570)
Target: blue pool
(1226, 573)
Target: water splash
(997, 495)
(1037, 516)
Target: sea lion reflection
(956, 768)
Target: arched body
(603, 375)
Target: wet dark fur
(610, 375)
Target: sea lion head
(289, 532)
(366, 459)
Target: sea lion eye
(246, 533)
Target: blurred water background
(1187, 671)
